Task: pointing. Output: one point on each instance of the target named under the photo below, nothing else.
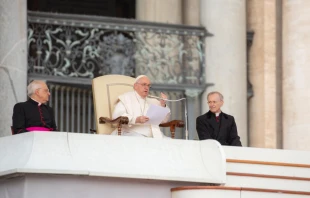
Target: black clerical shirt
(224, 131)
(30, 114)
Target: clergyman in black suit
(217, 125)
(34, 114)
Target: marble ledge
(113, 156)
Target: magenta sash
(42, 129)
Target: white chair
(106, 90)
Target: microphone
(185, 111)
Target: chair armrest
(172, 124)
(119, 121)
(12, 130)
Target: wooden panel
(239, 189)
(268, 176)
(268, 163)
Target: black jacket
(225, 131)
(29, 114)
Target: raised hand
(163, 102)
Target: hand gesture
(163, 102)
(142, 119)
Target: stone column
(13, 59)
(191, 12)
(296, 74)
(164, 11)
(265, 118)
(161, 11)
(193, 111)
(191, 16)
(226, 57)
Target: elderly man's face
(43, 93)
(215, 103)
(142, 87)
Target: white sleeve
(120, 110)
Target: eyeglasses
(45, 90)
(145, 85)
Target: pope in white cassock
(134, 105)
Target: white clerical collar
(138, 96)
(39, 103)
(217, 114)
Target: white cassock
(132, 105)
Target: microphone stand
(186, 126)
(185, 111)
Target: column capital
(193, 93)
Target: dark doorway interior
(109, 8)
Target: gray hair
(139, 77)
(33, 86)
(218, 93)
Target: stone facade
(296, 75)
(277, 114)
(13, 59)
(265, 74)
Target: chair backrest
(106, 90)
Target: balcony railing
(66, 45)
